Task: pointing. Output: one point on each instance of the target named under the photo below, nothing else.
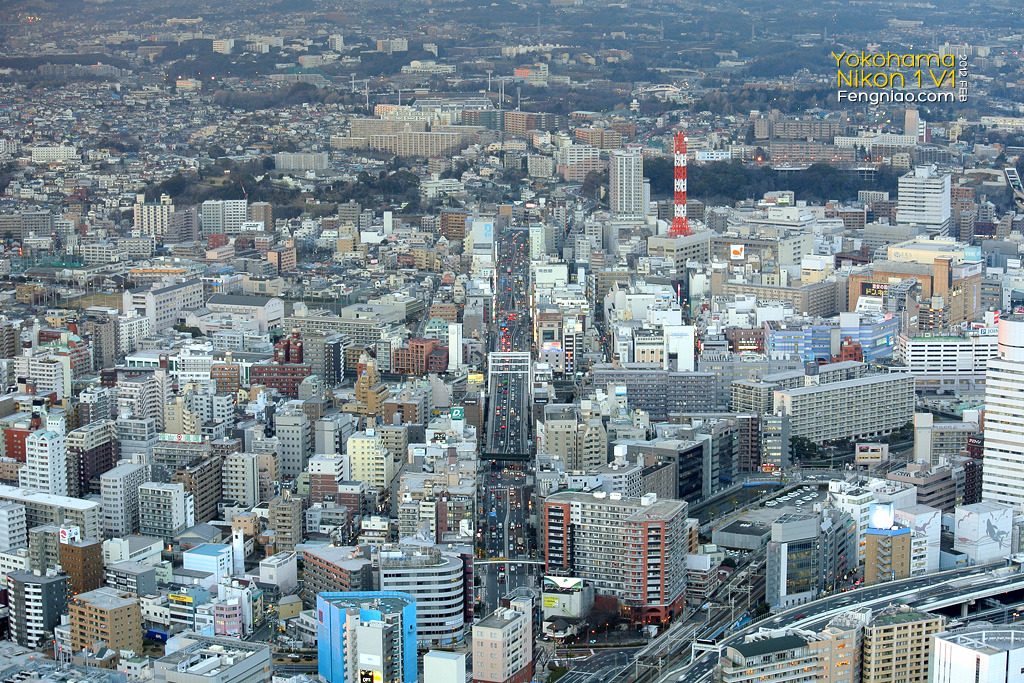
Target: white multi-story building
(54, 153)
(924, 199)
(131, 328)
(50, 373)
(144, 396)
(436, 581)
(165, 510)
(295, 438)
(946, 362)
(46, 463)
(983, 653)
(369, 460)
(223, 217)
(853, 409)
(152, 218)
(240, 479)
(164, 305)
(626, 185)
(856, 501)
(119, 491)
(1003, 474)
(13, 526)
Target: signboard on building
(874, 288)
(458, 413)
(563, 582)
(736, 252)
(180, 438)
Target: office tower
(1003, 474)
(153, 218)
(644, 571)
(367, 636)
(898, 644)
(924, 199)
(370, 462)
(295, 433)
(119, 490)
(626, 185)
(165, 510)
(503, 645)
(436, 581)
(810, 553)
(36, 605)
(223, 217)
(241, 480)
(105, 616)
(286, 521)
(981, 652)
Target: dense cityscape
(626, 342)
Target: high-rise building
(165, 510)
(810, 553)
(295, 433)
(92, 450)
(105, 616)
(223, 217)
(369, 460)
(286, 521)
(626, 185)
(36, 605)
(46, 462)
(897, 645)
(436, 581)
(924, 199)
(82, 559)
(13, 527)
(153, 218)
(643, 570)
(367, 636)
(1003, 474)
(241, 479)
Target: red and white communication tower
(680, 223)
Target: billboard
(736, 252)
(874, 288)
(180, 438)
(882, 515)
(551, 601)
(563, 582)
(458, 413)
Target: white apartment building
(626, 185)
(1003, 474)
(924, 199)
(46, 463)
(436, 581)
(369, 460)
(50, 373)
(54, 153)
(240, 479)
(853, 409)
(131, 328)
(119, 491)
(13, 526)
(144, 396)
(165, 510)
(165, 305)
(223, 217)
(295, 438)
(856, 501)
(152, 218)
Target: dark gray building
(36, 605)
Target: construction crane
(680, 223)
(1013, 180)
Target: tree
(803, 448)
(729, 562)
(593, 183)
(215, 151)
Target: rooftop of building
(766, 646)
(900, 614)
(986, 638)
(846, 384)
(20, 495)
(240, 300)
(209, 549)
(386, 602)
(106, 598)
